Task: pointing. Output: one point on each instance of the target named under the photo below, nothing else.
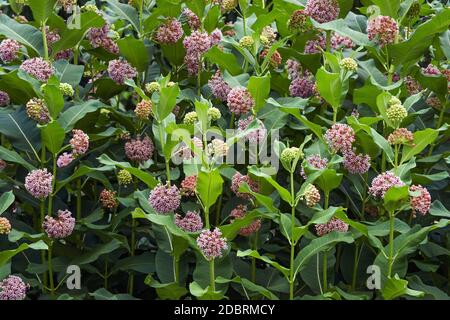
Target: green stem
(292, 257)
(324, 271)
(50, 269)
(212, 281)
(355, 266)
(255, 247)
(208, 226)
(391, 243)
(105, 277)
(50, 198)
(328, 41)
(161, 139)
(133, 249)
(44, 40)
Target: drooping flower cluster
(340, 137)
(383, 182)
(5, 226)
(143, 109)
(169, 32)
(4, 98)
(303, 86)
(9, 50)
(188, 185)
(293, 68)
(240, 101)
(13, 288)
(401, 136)
(239, 179)
(315, 45)
(196, 44)
(59, 227)
(38, 111)
(333, 225)
(108, 199)
(79, 142)
(220, 89)
(338, 42)
(383, 30)
(212, 244)
(120, 70)
(238, 213)
(421, 203)
(322, 10)
(39, 183)
(299, 21)
(64, 160)
(192, 19)
(275, 58)
(139, 150)
(312, 195)
(38, 68)
(257, 135)
(165, 199)
(356, 163)
(100, 38)
(191, 222)
(315, 161)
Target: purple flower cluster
(64, 160)
(333, 225)
(188, 185)
(383, 30)
(322, 10)
(431, 70)
(9, 50)
(340, 137)
(99, 38)
(38, 68)
(422, 202)
(240, 101)
(195, 44)
(315, 45)
(238, 213)
(165, 199)
(79, 142)
(4, 98)
(383, 182)
(13, 288)
(60, 227)
(338, 41)
(256, 136)
(303, 86)
(211, 243)
(356, 163)
(238, 179)
(293, 68)
(108, 199)
(220, 89)
(120, 70)
(39, 183)
(169, 32)
(192, 19)
(139, 150)
(315, 161)
(192, 222)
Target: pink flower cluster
(256, 136)
(340, 137)
(38, 68)
(333, 225)
(79, 142)
(13, 288)
(220, 89)
(238, 213)
(4, 98)
(401, 136)
(139, 150)
(383, 30)
(383, 182)
(9, 50)
(64, 160)
(422, 202)
(303, 86)
(192, 222)
(322, 10)
(356, 163)
(108, 199)
(39, 183)
(169, 32)
(188, 185)
(315, 161)
(192, 19)
(237, 180)
(293, 68)
(431, 70)
(99, 38)
(211, 243)
(120, 70)
(316, 45)
(195, 44)
(338, 41)
(60, 227)
(240, 101)
(165, 199)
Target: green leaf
(6, 200)
(72, 115)
(209, 187)
(438, 209)
(394, 197)
(396, 287)
(388, 7)
(97, 251)
(53, 136)
(144, 263)
(103, 294)
(68, 73)
(6, 255)
(42, 9)
(284, 193)
(25, 34)
(53, 99)
(204, 294)
(225, 60)
(340, 26)
(166, 291)
(247, 284)
(259, 88)
(14, 157)
(255, 254)
(422, 139)
(134, 52)
(126, 12)
(376, 77)
(329, 180)
(167, 101)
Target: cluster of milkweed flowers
(396, 112)
(192, 19)
(383, 182)
(143, 109)
(315, 161)
(257, 135)
(312, 195)
(13, 288)
(299, 21)
(322, 10)
(5, 226)
(238, 213)
(238, 180)
(4, 98)
(165, 198)
(338, 41)
(124, 177)
(334, 224)
(217, 148)
(315, 45)
(9, 50)
(220, 89)
(120, 70)
(38, 68)
(420, 203)
(169, 32)
(383, 30)
(64, 160)
(401, 136)
(303, 86)
(37, 110)
(39, 183)
(240, 101)
(139, 149)
(275, 58)
(108, 199)
(188, 185)
(212, 244)
(60, 227)
(79, 142)
(356, 163)
(340, 137)
(191, 222)
(196, 44)
(100, 38)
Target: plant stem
(133, 249)
(391, 243)
(50, 198)
(212, 281)
(292, 257)
(44, 40)
(324, 271)
(255, 247)
(161, 139)
(50, 269)
(328, 41)
(105, 277)
(355, 266)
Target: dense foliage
(224, 149)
